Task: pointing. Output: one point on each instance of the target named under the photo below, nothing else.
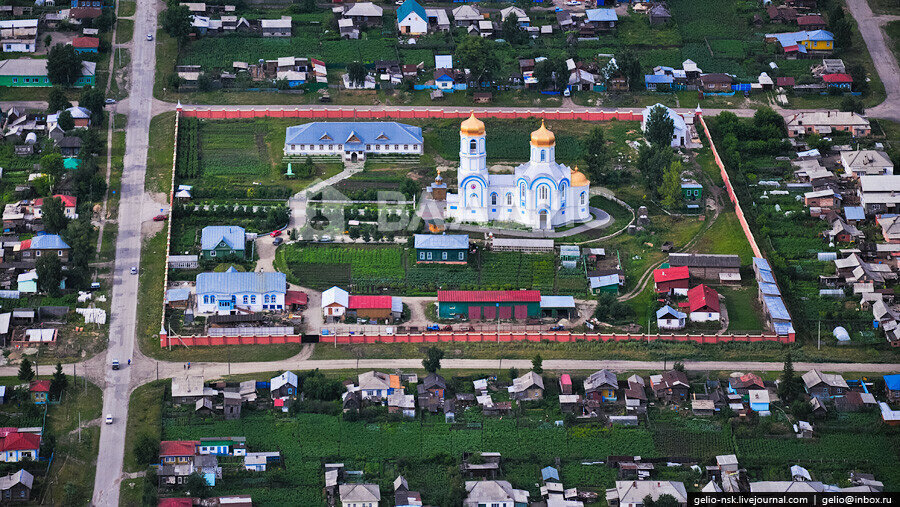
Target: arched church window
(543, 192)
(493, 199)
(543, 155)
(509, 198)
(583, 197)
(473, 199)
(473, 146)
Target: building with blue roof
(412, 18)
(222, 242)
(442, 248)
(223, 293)
(802, 42)
(32, 249)
(653, 81)
(892, 388)
(670, 318)
(352, 141)
(549, 473)
(603, 19)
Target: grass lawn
(725, 237)
(144, 418)
(158, 177)
(743, 307)
(127, 8)
(892, 30)
(124, 31)
(884, 6)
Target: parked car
(160, 217)
(557, 328)
(115, 364)
(149, 36)
(275, 234)
(573, 3)
(109, 419)
(133, 270)
(278, 241)
(326, 239)
(110, 101)
(433, 327)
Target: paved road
(885, 62)
(117, 384)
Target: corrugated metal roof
(671, 274)
(604, 281)
(703, 296)
(442, 241)
(363, 302)
(47, 242)
(212, 235)
(489, 296)
(557, 302)
(775, 306)
(601, 15)
(769, 289)
(233, 282)
(381, 133)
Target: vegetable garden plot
(229, 149)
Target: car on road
(557, 328)
(149, 36)
(160, 217)
(109, 419)
(573, 3)
(115, 364)
(110, 101)
(275, 234)
(433, 327)
(278, 241)
(133, 270)
(325, 239)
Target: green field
(373, 268)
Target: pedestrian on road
(129, 362)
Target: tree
(596, 155)
(59, 382)
(49, 272)
(678, 366)
(631, 68)
(196, 485)
(305, 5)
(204, 82)
(513, 373)
(94, 100)
(65, 121)
(537, 364)
(852, 104)
(146, 449)
(106, 20)
(71, 494)
(858, 73)
(510, 29)
(356, 72)
(480, 57)
(432, 361)
(791, 385)
(659, 127)
(53, 165)
(57, 100)
(63, 65)
(48, 40)
(551, 73)
(54, 216)
(176, 21)
(26, 372)
(670, 190)
(652, 163)
(843, 33)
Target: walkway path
(885, 62)
(601, 219)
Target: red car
(160, 218)
(275, 234)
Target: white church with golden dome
(541, 193)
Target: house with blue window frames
(223, 446)
(540, 193)
(224, 293)
(352, 141)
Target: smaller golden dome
(579, 179)
(542, 137)
(472, 126)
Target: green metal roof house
(442, 248)
(489, 304)
(223, 241)
(32, 72)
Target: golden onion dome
(579, 179)
(542, 137)
(472, 126)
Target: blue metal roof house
(223, 293)
(601, 16)
(442, 248)
(222, 241)
(652, 81)
(352, 141)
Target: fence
(473, 337)
(355, 113)
(162, 324)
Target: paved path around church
(601, 220)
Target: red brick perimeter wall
(472, 337)
(352, 113)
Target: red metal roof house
(489, 304)
(175, 452)
(676, 279)
(703, 302)
(15, 446)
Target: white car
(149, 36)
(573, 3)
(133, 270)
(109, 419)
